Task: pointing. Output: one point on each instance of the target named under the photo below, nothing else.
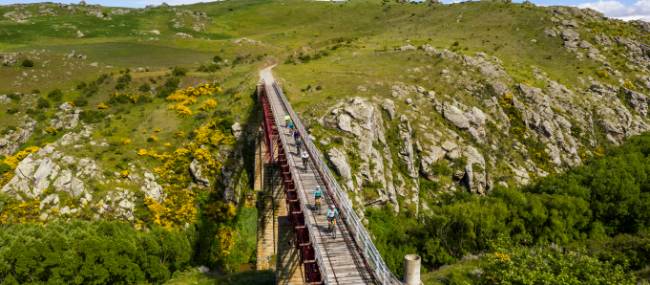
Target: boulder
(151, 188)
(389, 106)
(408, 47)
(455, 116)
(341, 166)
(197, 173)
(183, 35)
(344, 122)
(236, 130)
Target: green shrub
(55, 95)
(145, 87)
(27, 63)
(91, 253)
(81, 86)
(123, 81)
(91, 90)
(42, 103)
(15, 96)
(91, 116)
(179, 71)
(170, 86)
(102, 79)
(547, 265)
(80, 102)
(4, 168)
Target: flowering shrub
(185, 97)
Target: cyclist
(332, 214)
(298, 145)
(290, 125)
(305, 158)
(287, 119)
(297, 139)
(318, 195)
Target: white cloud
(639, 10)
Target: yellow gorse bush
(13, 160)
(183, 98)
(208, 104)
(503, 257)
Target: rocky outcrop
(119, 203)
(488, 67)
(637, 101)
(151, 188)
(363, 121)
(475, 170)
(616, 120)
(8, 59)
(10, 142)
(472, 120)
(49, 168)
(66, 185)
(66, 118)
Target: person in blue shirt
(318, 195)
(332, 214)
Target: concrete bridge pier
(412, 263)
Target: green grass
(324, 51)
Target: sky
(621, 9)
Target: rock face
(638, 101)
(363, 121)
(10, 142)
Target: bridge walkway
(341, 255)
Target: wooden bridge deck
(340, 255)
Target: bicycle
(332, 227)
(317, 205)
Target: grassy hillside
(418, 102)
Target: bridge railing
(371, 255)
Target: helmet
(317, 187)
(332, 206)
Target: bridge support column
(412, 269)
